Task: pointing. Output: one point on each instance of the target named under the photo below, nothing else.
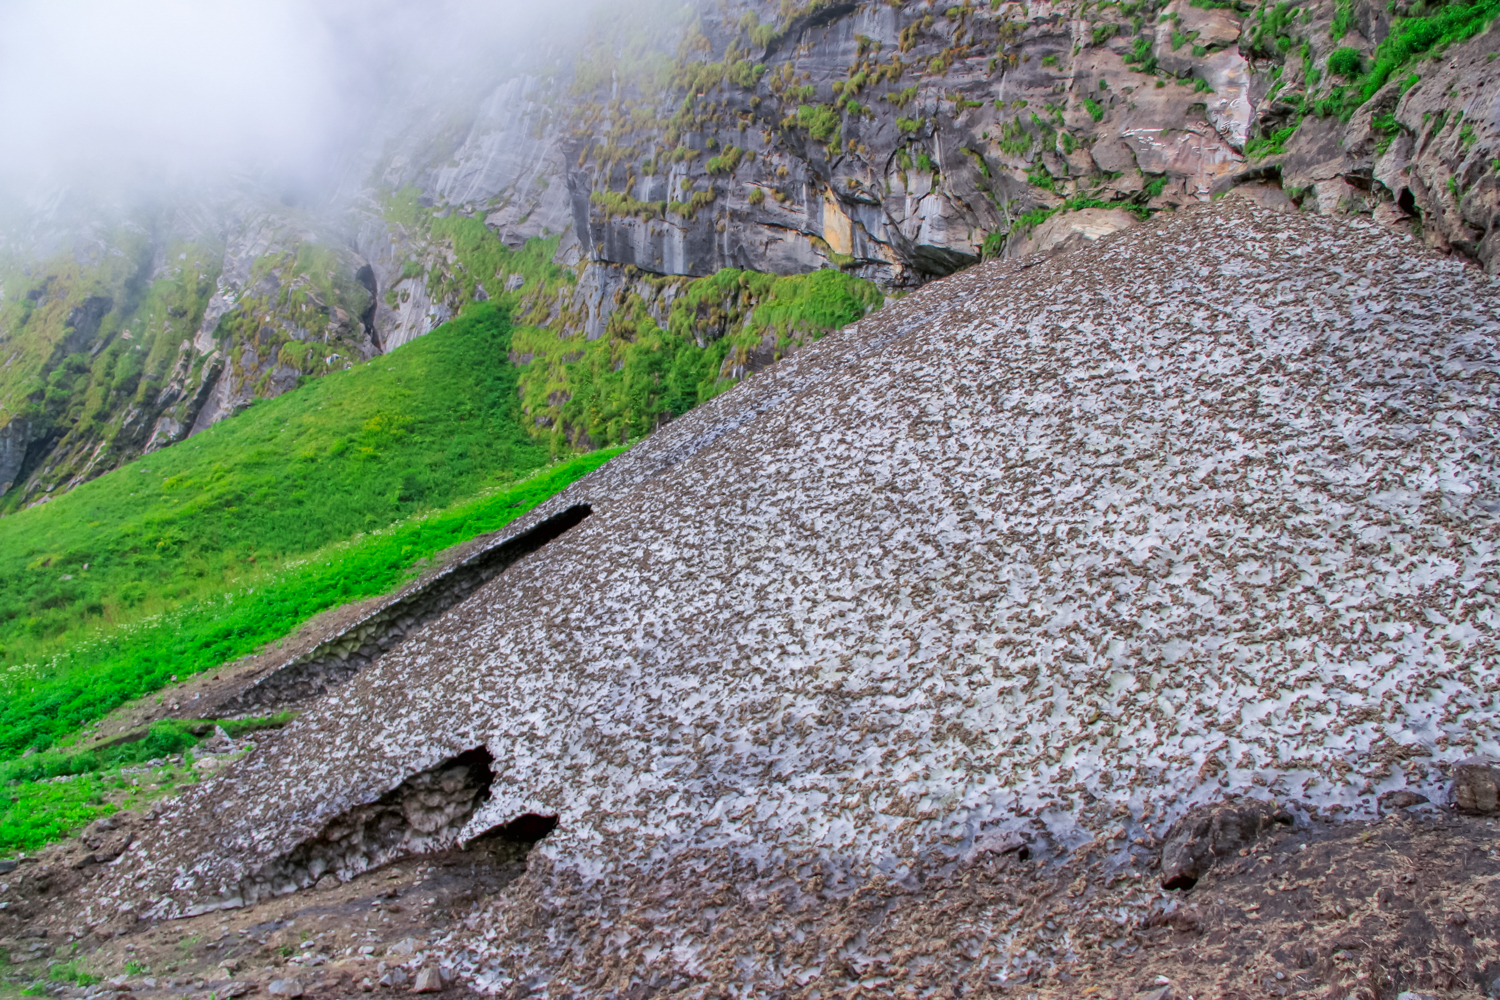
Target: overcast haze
(117, 96)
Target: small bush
(1345, 62)
(820, 120)
(726, 162)
(69, 972)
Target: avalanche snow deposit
(1044, 554)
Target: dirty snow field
(1060, 546)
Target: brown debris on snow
(1198, 517)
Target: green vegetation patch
(821, 121)
(1270, 145)
(205, 551)
(639, 374)
(1414, 37)
(1345, 62)
(46, 796)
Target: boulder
(1068, 231)
(1001, 843)
(1476, 786)
(1205, 834)
(428, 981)
(285, 988)
(1265, 195)
(1402, 799)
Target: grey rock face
(269, 303)
(14, 437)
(896, 141)
(1197, 841)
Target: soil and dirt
(1409, 902)
(333, 941)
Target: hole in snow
(338, 658)
(527, 828)
(422, 814)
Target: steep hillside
(888, 142)
(1029, 575)
(126, 341)
(195, 555)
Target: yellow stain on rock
(838, 230)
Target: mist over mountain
(114, 104)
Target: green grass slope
(640, 374)
(204, 551)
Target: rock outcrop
(1204, 836)
(1063, 548)
(208, 310)
(1476, 786)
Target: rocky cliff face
(129, 342)
(900, 142)
(888, 142)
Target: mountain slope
(113, 587)
(1044, 555)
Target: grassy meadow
(207, 550)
